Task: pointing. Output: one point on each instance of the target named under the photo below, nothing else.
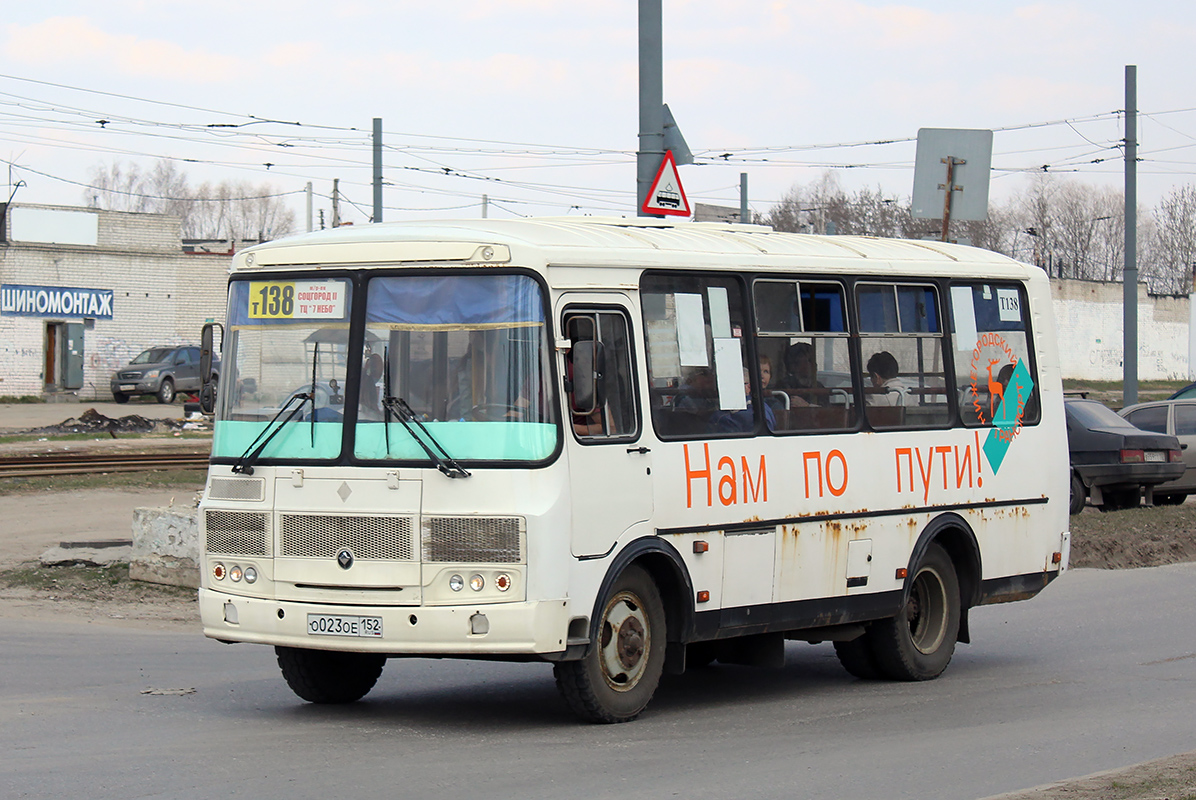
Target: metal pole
(336, 203)
(309, 198)
(948, 186)
(485, 206)
(377, 169)
(1129, 389)
(743, 204)
(651, 136)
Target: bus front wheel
(619, 675)
(321, 676)
(917, 644)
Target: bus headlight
(218, 571)
(234, 574)
(250, 575)
(456, 583)
(502, 582)
(477, 582)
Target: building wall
(161, 295)
(1089, 319)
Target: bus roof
(615, 242)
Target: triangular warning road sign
(666, 195)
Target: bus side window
(603, 407)
(901, 344)
(994, 369)
(802, 336)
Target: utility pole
(1129, 389)
(377, 169)
(309, 198)
(485, 206)
(336, 203)
(651, 136)
(743, 203)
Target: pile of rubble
(92, 421)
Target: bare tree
(226, 210)
(1169, 263)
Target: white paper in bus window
(1009, 305)
(720, 315)
(728, 372)
(965, 317)
(691, 331)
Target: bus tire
(857, 658)
(917, 644)
(619, 675)
(322, 676)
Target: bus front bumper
(530, 628)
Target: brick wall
(160, 296)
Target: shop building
(83, 291)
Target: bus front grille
(367, 537)
(237, 489)
(239, 533)
(478, 540)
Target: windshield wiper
(250, 456)
(403, 413)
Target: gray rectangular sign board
(972, 152)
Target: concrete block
(166, 546)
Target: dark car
(1186, 393)
(1111, 460)
(161, 371)
(1178, 418)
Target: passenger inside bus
(801, 381)
(887, 389)
(742, 420)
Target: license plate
(128, 387)
(1156, 455)
(344, 625)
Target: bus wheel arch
(637, 623)
(952, 533)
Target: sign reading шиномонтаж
(55, 301)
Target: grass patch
(23, 399)
(1112, 393)
(184, 480)
(110, 583)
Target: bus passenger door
(610, 469)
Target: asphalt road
(1097, 673)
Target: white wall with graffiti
(1089, 318)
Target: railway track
(82, 464)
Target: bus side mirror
(588, 364)
(207, 394)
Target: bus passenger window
(801, 331)
(599, 360)
(994, 371)
(697, 353)
(901, 343)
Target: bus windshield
(285, 338)
(469, 355)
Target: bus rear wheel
(321, 676)
(918, 643)
(619, 675)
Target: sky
(534, 103)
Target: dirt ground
(39, 515)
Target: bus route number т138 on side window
(624, 447)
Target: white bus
(626, 447)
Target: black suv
(161, 371)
